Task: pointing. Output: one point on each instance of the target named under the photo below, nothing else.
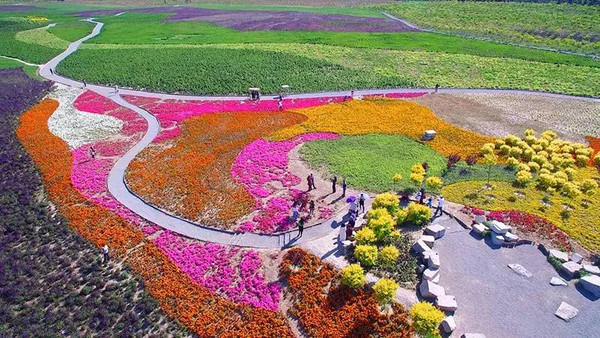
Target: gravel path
(120, 191)
(495, 301)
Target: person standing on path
(361, 202)
(422, 196)
(430, 202)
(105, 254)
(84, 84)
(300, 226)
(280, 103)
(311, 208)
(309, 182)
(342, 235)
(51, 71)
(295, 212)
(92, 152)
(333, 184)
(312, 179)
(344, 186)
(437, 86)
(440, 206)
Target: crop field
(558, 26)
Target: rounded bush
(419, 214)
(385, 290)
(523, 177)
(515, 152)
(426, 318)
(589, 187)
(353, 276)
(382, 226)
(504, 149)
(434, 183)
(389, 255)
(401, 215)
(571, 190)
(523, 166)
(597, 159)
(366, 255)
(365, 236)
(533, 166)
(582, 160)
(387, 201)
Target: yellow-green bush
(382, 225)
(389, 255)
(365, 236)
(523, 177)
(387, 201)
(418, 214)
(366, 255)
(385, 290)
(434, 183)
(401, 215)
(353, 276)
(426, 318)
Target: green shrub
(366, 255)
(401, 215)
(365, 236)
(382, 225)
(387, 201)
(385, 290)
(353, 276)
(419, 214)
(426, 318)
(389, 255)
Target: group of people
(439, 209)
(301, 220)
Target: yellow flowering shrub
(401, 215)
(523, 177)
(426, 318)
(388, 201)
(434, 183)
(418, 214)
(533, 166)
(353, 276)
(382, 226)
(366, 255)
(385, 290)
(365, 236)
(417, 179)
(356, 117)
(389, 255)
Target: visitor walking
(344, 186)
(422, 196)
(116, 90)
(309, 182)
(333, 184)
(280, 103)
(361, 202)
(418, 196)
(300, 226)
(312, 179)
(92, 152)
(342, 235)
(437, 86)
(84, 84)
(430, 202)
(105, 254)
(311, 208)
(350, 228)
(353, 208)
(295, 211)
(440, 206)
(51, 71)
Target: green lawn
(370, 161)
(30, 70)
(560, 26)
(478, 172)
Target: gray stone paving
(497, 302)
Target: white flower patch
(76, 127)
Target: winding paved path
(120, 191)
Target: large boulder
(446, 303)
(558, 282)
(577, 258)
(571, 269)
(498, 227)
(433, 262)
(480, 228)
(479, 218)
(420, 246)
(436, 230)
(591, 283)
(429, 240)
(594, 270)
(497, 239)
(566, 312)
(448, 324)
(510, 237)
(431, 274)
(429, 289)
(561, 256)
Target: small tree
(353, 276)
(385, 290)
(389, 255)
(366, 255)
(490, 160)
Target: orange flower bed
(181, 298)
(594, 142)
(358, 117)
(341, 312)
(193, 177)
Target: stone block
(497, 239)
(480, 228)
(479, 219)
(561, 256)
(591, 283)
(566, 312)
(510, 237)
(499, 227)
(448, 324)
(433, 262)
(571, 268)
(429, 289)
(436, 230)
(577, 258)
(558, 282)
(520, 270)
(431, 274)
(472, 335)
(420, 246)
(429, 240)
(446, 303)
(594, 270)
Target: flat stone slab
(591, 283)
(433, 262)
(480, 228)
(594, 270)
(510, 237)
(431, 274)
(561, 256)
(436, 230)
(429, 240)
(520, 270)
(497, 239)
(473, 335)
(499, 227)
(577, 258)
(429, 289)
(420, 246)
(557, 281)
(479, 219)
(571, 268)
(449, 324)
(446, 303)
(566, 312)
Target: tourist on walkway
(440, 206)
(309, 182)
(92, 152)
(353, 208)
(437, 86)
(295, 211)
(350, 228)
(51, 72)
(430, 202)
(312, 179)
(280, 103)
(311, 208)
(361, 202)
(333, 184)
(344, 186)
(84, 84)
(342, 235)
(422, 196)
(105, 254)
(300, 226)
(418, 196)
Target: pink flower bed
(230, 272)
(262, 168)
(397, 95)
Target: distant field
(559, 26)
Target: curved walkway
(118, 188)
